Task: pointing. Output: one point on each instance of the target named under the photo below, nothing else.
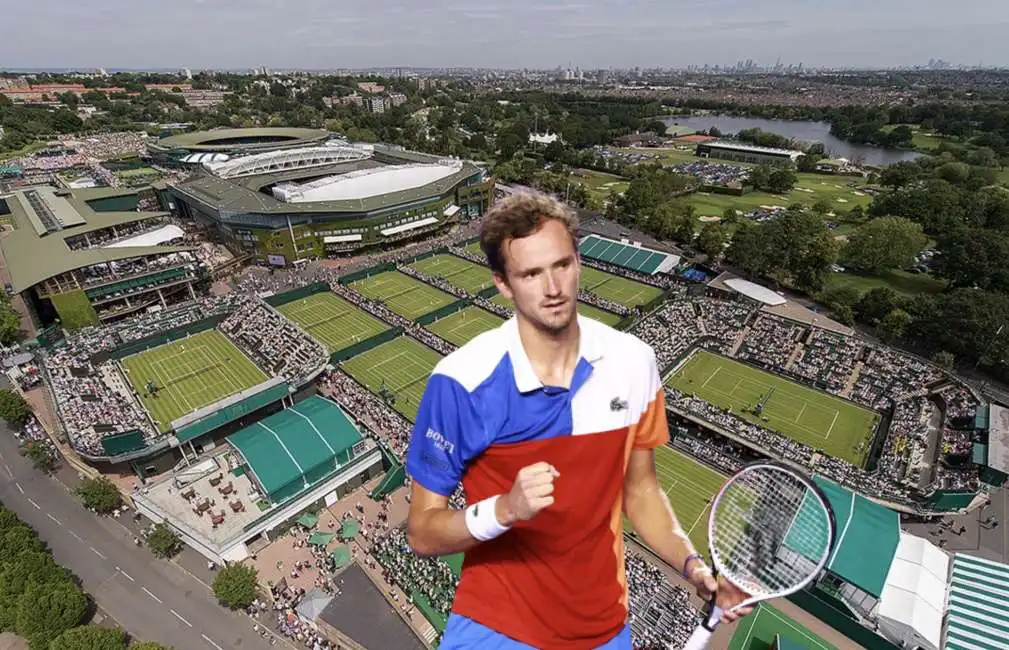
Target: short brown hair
(518, 216)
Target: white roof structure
(365, 183)
(395, 230)
(910, 609)
(340, 239)
(152, 238)
(752, 148)
(542, 138)
(278, 161)
(978, 616)
(755, 291)
(998, 438)
(204, 158)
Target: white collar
(525, 377)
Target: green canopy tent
(321, 539)
(341, 555)
(308, 520)
(350, 529)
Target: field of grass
(465, 325)
(458, 272)
(837, 427)
(757, 631)
(620, 290)
(402, 366)
(189, 374)
(919, 139)
(600, 184)
(336, 323)
(809, 189)
(474, 247)
(139, 171)
(406, 296)
(899, 281)
(583, 308)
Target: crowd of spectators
(770, 341)
(723, 321)
(671, 331)
(429, 577)
(828, 359)
(368, 409)
(890, 376)
(434, 280)
(275, 342)
(660, 613)
(712, 173)
(122, 269)
(104, 146)
(906, 440)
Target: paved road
(152, 599)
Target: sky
(328, 34)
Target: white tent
(755, 291)
(910, 609)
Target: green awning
(350, 529)
(321, 539)
(308, 520)
(979, 453)
(341, 555)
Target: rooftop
(33, 257)
(998, 438)
(223, 140)
(360, 612)
(978, 617)
(366, 183)
(743, 146)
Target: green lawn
(404, 295)
(757, 631)
(189, 374)
(833, 425)
(402, 366)
(474, 247)
(618, 289)
(809, 189)
(690, 487)
(920, 140)
(458, 272)
(600, 184)
(336, 323)
(899, 281)
(464, 325)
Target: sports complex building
(196, 147)
(88, 256)
(743, 152)
(300, 203)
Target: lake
(805, 131)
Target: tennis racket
(770, 533)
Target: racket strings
(769, 531)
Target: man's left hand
(728, 596)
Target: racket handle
(702, 634)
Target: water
(804, 131)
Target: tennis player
(550, 421)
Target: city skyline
(311, 34)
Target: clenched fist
(532, 491)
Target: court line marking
(803, 410)
(832, 423)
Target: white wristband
(481, 520)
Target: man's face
(541, 277)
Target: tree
(236, 586)
(894, 324)
(944, 360)
(13, 408)
(163, 541)
(975, 257)
(47, 610)
(711, 240)
(10, 323)
(41, 455)
(885, 243)
(99, 494)
(876, 303)
(90, 637)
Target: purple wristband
(686, 563)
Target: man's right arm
(435, 529)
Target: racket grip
(702, 634)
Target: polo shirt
(558, 580)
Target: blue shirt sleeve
(447, 435)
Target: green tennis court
(464, 325)
(456, 271)
(401, 367)
(758, 631)
(835, 426)
(406, 296)
(620, 290)
(189, 374)
(336, 323)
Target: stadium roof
(998, 438)
(254, 139)
(243, 195)
(752, 148)
(978, 614)
(296, 447)
(914, 595)
(367, 183)
(867, 538)
(629, 256)
(755, 291)
(32, 258)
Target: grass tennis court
(332, 320)
(406, 296)
(465, 324)
(474, 247)
(189, 374)
(401, 365)
(757, 631)
(458, 272)
(620, 290)
(584, 309)
(690, 487)
(835, 426)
